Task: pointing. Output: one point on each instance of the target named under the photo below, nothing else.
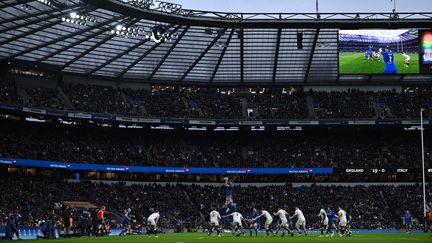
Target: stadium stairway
(377, 109)
(310, 106)
(126, 100)
(186, 104)
(244, 107)
(197, 207)
(142, 110)
(387, 207)
(64, 97)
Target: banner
(144, 169)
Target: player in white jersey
(237, 223)
(214, 222)
(342, 221)
(323, 221)
(406, 58)
(268, 221)
(376, 56)
(301, 221)
(152, 221)
(282, 214)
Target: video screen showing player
(379, 51)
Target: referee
(101, 221)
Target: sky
(302, 6)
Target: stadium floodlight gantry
(147, 42)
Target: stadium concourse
(144, 120)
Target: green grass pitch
(354, 63)
(203, 238)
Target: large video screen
(379, 51)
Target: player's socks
(267, 232)
(250, 233)
(210, 231)
(322, 231)
(256, 232)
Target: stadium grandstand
(145, 120)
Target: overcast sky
(288, 6)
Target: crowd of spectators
(90, 144)
(216, 105)
(36, 198)
(44, 98)
(274, 103)
(373, 207)
(164, 103)
(99, 99)
(351, 104)
(406, 104)
(9, 93)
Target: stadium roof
(206, 47)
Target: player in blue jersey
(254, 224)
(126, 222)
(223, 213)
(229, 185)
(407, 221)
(388, 57)
(331, 223)
(232, 207)
(369, 54)
(366, 55)
(349, 224)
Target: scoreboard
(425, 51)
(381, 170)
